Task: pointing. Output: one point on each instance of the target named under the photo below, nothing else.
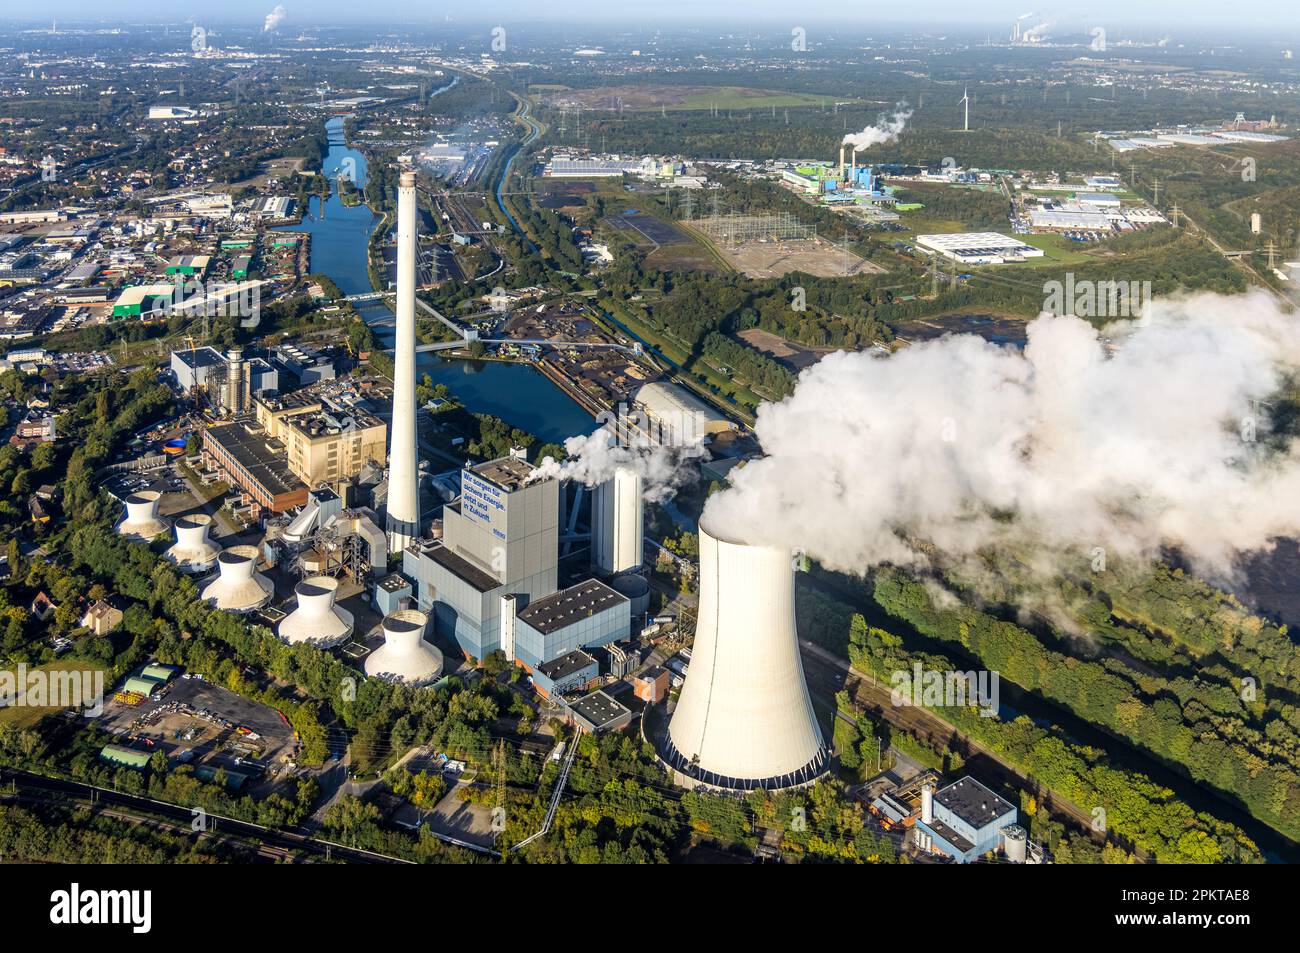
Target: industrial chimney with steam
(403, 461)
(744, 720)
(617, 534)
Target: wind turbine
(965, 101)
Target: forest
(1229, 722)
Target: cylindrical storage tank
(316, 619)
(1015, 841)
(142, 520)
(636, 589)
(405, 656)
(617, 534)
(744, 719)
(193, 551)
(238, 587)
(927, 804)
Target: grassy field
(734, 97)
(24, 716)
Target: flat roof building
(585, 616)
(571, 671)
(599, 712)
(325, 441)
(248, 457)
(979, 248)
(965, 820)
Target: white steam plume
(962, 445)
(274, 18)
(593, 459)
(886, 129)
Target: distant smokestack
(403, 460)
(842, 176)
(853, 166)
(745, 720)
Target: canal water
(517, 393)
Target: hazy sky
(1279, 16)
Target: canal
(517, 393)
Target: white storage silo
(316, 619)
(744, 719)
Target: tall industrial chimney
(235, 380)
(843, 146)
(853, 164)
(617, 534)
(403, 476)
(745, 720)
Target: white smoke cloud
(959, 445)
(1037, 32)
(274, 18)
(886, 129)
(594, 458)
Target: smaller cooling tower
(617, 534)
(405, 656)
(238, 587)
(744, 719)
(316, 619)
(193, 552)
(142, 521)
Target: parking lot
(199, 723)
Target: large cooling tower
(238, 588)
(405, 656)
(193, 551)
(316, 619)
(403, 476)
(616, 523)
(744, 719)
(141, 520)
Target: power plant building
(965, 820)
(324, 442)
(501, 538)
(584, 616)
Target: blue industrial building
(584, 616)
(573, 670)
(965, 820)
